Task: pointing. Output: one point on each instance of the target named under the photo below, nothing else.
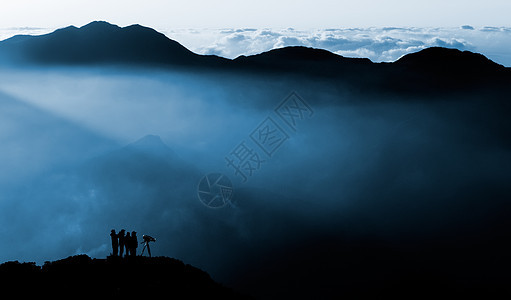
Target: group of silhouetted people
(123, 240)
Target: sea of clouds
(380, 44)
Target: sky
(263, 13)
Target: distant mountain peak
(150, 145)
(150, 142)
(105, 27)
(99, 42)
(434, 57)
(301, 53)
(102, 43)
(99, 24)
(70, 27)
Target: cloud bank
(369, 183)
(380, 44)
(383, 44)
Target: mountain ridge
(130, 277)
(98, 42)
(101, 28)
(101, 43)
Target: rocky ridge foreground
(132, 277)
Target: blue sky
(379, 30)
(262, 13)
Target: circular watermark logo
(215, 190)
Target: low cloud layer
(367, 183)
(378, 44)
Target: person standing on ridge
(121, 242)
(134, 243)
(115, 242)
(127, 244)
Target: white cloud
(377, 44)
(6, 33)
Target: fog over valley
(87, 149)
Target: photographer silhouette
(146, 240)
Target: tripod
(146, 244)
(146, 241)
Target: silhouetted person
(122, 241)
(127, 243)
(134, 243)
(146, 241)
(115, 242)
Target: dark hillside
(80, 276)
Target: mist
(85, 150)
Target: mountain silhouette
(153, 145)
(134, 277)
(459, 151)
(447, 59)
(447, 69)
(299, 60)
(148, 154)
(101, 43)
(147, 161)
(299, 54)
